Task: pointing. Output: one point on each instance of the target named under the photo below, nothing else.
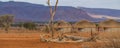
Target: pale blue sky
(112, 4)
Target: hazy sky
(112, 4)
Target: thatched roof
(62, 24)
(109, 23)
(84, 24)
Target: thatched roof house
(109, 23)
(62, 26)
(84, 26)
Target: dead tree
(52, 14)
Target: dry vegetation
(111, 39)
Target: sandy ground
(32, 40)
(35, 44)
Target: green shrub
(29, 25)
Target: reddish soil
(32, 40)
(35, 44)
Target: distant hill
(103, 13)
(33, 12)
(24, 11)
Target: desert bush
(45, 28)
(21, 24)
(110, 40)
(29, 25)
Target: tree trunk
(52, 14)
(51, 24)
(6, 28)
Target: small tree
(6, 21)
(52, 14)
